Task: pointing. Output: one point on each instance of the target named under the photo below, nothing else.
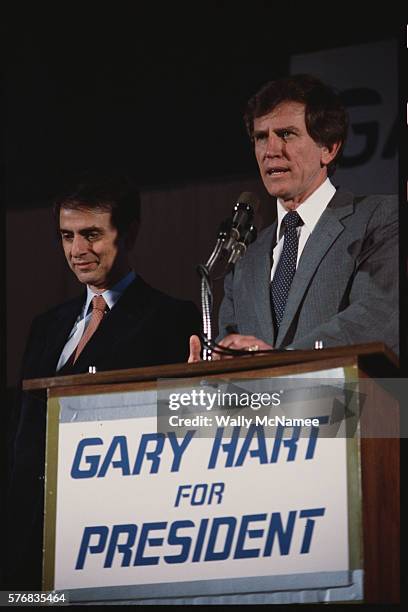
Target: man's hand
(195, 349)
(234, 341)
(249, 343)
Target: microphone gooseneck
(234, 236)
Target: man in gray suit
(327, 269)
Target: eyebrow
(289, 128)
(84, 230)
(285, 128)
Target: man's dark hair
(325, 116)
(114, 193)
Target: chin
(277, 191)
(85, 278)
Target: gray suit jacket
(345, 290)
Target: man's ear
(131, 235)
(327, 154)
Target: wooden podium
(375, 466)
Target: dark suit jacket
(345, 290)
(144, 328)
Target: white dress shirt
(110, 296)
(310, 212)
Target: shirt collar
(112, 295)
(312, 208)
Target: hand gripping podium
(260, 479)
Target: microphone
(242, 231)
(234, 234)
(240, 247)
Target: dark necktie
(286, 268)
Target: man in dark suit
(326, 270)
(119, 322)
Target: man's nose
(79, 246)
(273, 146)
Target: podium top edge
(375, 358)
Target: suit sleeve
(371, 314)
(34, 347)
(185, 322)
(25, 491)
(226, 319)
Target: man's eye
(66, 236)
(260, 136)
(92, 236)
(285, 134)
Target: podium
(135, 514)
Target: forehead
(81, 218)
(283, 115)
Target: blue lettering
(99, 530)
(290, 443)
(144, 537)
(180, 493)
(246, 553)
(153, 455)
(307, 538)
(314, 432)
(175, 540)
(125, 548)
(277, 444)
(199, 494)
(178, 449)
(258, 452)
(217, 489)
(200, 540)
(284, 536)
(122, 463)
(92, 460)
(220, 539)
(228, 447)
(230, 522)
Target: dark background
(156, 91)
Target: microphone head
(249, 198)
(250, 235)
(224, 230)
(243, 211)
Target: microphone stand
(233, 238)
(204, 271)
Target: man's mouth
(83, 264)
(278, 171)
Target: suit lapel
(261, 275)
(127, 314)
(328, 228)
(58, 332)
